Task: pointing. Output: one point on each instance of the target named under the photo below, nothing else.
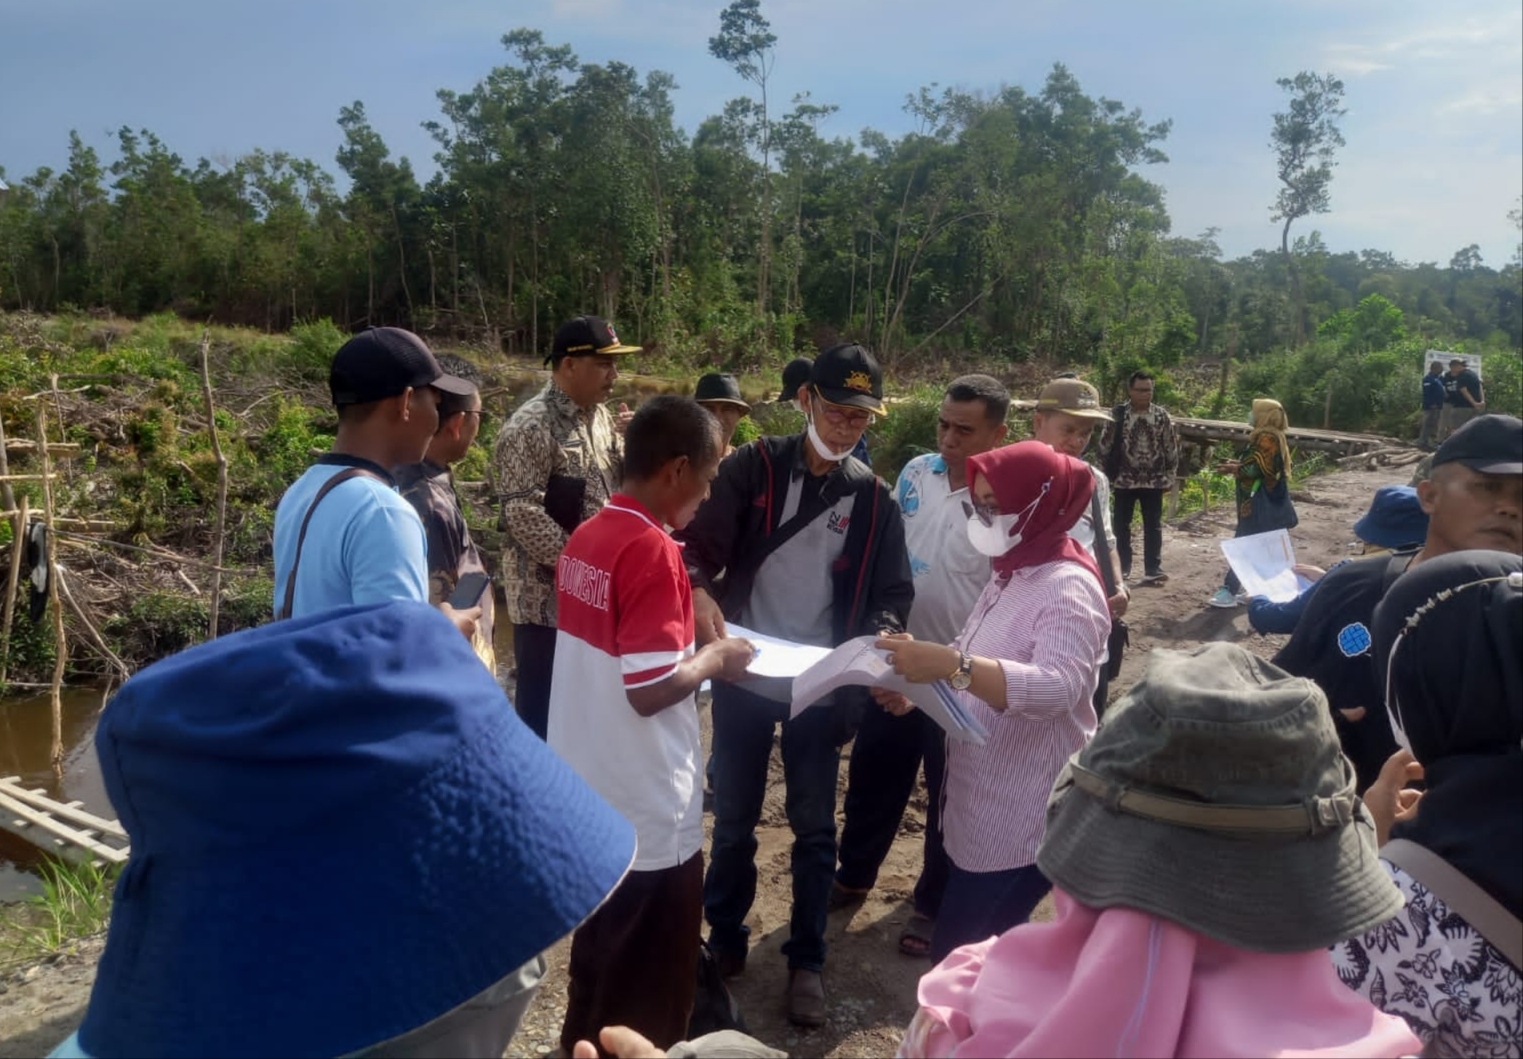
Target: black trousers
(885, 757)
(534, 654)
(1151, 501)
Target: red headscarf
(1018, 475)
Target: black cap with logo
(849, 375)
(1490, 444)
(586, 336)
(384, 362)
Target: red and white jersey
(625, 620)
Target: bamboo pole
(6, 495)
(60, 644)
(217, 537)
(13, 583)
(68, 468)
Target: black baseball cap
(722, 387)
(383, 362)
(1490, 444)
(586, 336)
(795, 377)
(848, 374)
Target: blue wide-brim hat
(340, 830)
(1396, 518)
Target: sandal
(915, 940)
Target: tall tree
(745, 41)
(1304, 140)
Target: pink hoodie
(1120, 982)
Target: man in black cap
(720, 394)
(1463, 398)
(795, 378)
(812, 549)
(555, 464)
(343, 535)
(1474, 499)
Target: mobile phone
(468, 590)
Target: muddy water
(26, 743)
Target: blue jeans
(743, 727)
(983, 904)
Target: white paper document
(775, 657)
(1265, 564)
(858, 662)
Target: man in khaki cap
(1067, 413)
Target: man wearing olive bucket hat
(1206, 847)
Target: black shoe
(842, 898)
(732, 964)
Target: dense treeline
(1009, 224)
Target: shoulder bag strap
(1102, 546)
(301, 538)
(1475, 906)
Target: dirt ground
(870, 986)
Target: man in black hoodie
(811, 548)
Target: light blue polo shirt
(365, 544)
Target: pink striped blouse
(1047, 625)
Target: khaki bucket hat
(1216, 796)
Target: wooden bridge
(1337, 442)
(1211, 431)
(59, 827)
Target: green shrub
(313, 344)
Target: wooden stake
(6, 495)
(60, 645)
(13, 583)
(219, 531)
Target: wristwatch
(962, 676)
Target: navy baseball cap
(795, 377)
(1490, 444)
(383, 362)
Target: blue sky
(1434, 90)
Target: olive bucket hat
(1216, 796)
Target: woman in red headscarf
(1025, 666)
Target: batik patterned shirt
(548, 436)
(1149, 449)
(1456, 991)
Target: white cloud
(1499, 96)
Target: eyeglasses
(986, 513)
(843, 417)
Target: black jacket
(737, 528)
(1332, 644)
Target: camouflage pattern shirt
(430, 489)
(547, 437)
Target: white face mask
(995, 538)
(823, 449)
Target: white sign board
(1443, 357)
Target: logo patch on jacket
(1354, 640)
(837, 522)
